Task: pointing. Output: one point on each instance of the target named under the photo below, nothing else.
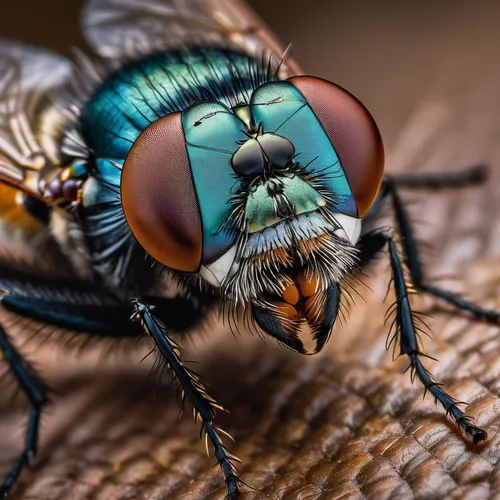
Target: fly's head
(262, 201)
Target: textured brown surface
(346, 423)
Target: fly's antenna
(283, 59)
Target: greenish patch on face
(302, 195)
(263, 204)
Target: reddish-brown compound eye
(352, 132)
(159, 198)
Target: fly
(188, 155)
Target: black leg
(96, 319)
(99, 320)
(407, 327)
(412, 260)
(78, 308)
(426, 181)
(440, 180)
(204, 406)
(105, 320)
(82, 307)
(35, 390)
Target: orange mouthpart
(298, 297)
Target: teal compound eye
(213, 133)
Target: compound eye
(352, 132)
(159, 198)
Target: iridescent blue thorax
(145, 90)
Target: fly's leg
(471, 176)
(79, 307)
(75, 307)
(412, 260)
(407, 328)
(204, 406)
(424, 181)
(35, 390)
(97, 319)
(104, 320)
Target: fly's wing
(26, 75)
(120, 28)
(31, 263)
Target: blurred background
(388, 53)
(346, 421)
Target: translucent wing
(38, 69)
(119, 28)
(26, 74)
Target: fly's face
(263, 201)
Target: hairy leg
(412, 259)
(35, 391)
(204, 406)
(81, 309)
(405, 329)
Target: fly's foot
(476, 434)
